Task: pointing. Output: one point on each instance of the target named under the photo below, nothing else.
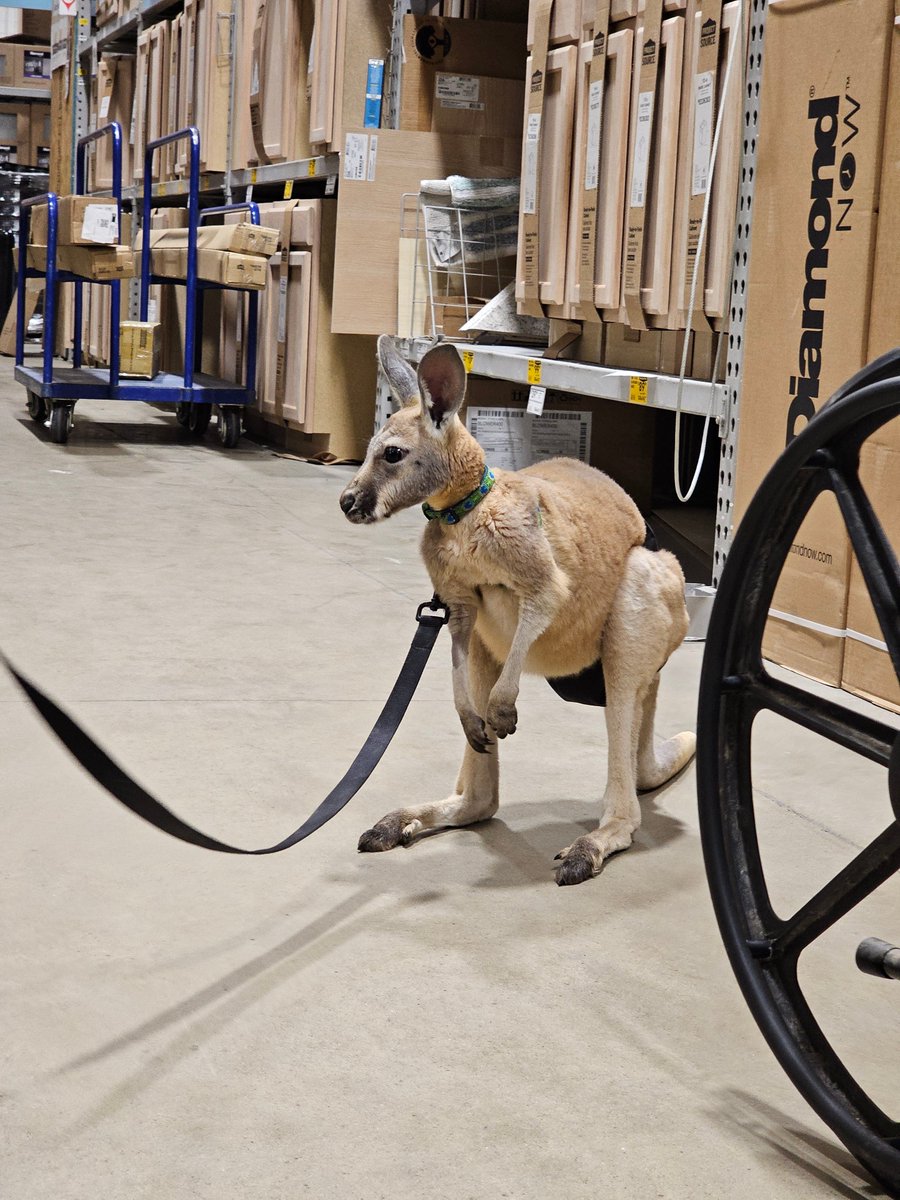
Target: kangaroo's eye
(394, 454)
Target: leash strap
(127, 791)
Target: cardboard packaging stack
(89, 241)
(822, 301)
(314, 388)
(621, 104)
(25, 64)
(236, 255)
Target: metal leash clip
(433, 605)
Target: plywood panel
(613, 162)
(657, 263)
(723, 201)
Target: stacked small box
(234, 255)
(88, 238)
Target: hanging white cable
(735, 42)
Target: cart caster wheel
(198, 418)
(37, 408)
(229, 427)
(60, 423)
(183, 414)
(766, 946)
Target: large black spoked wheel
(37, 408)
(228, 427)
(60, 422)
(765, 947)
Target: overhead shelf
(527, 366)
(127, 27)
(29, 93)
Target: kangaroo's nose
(347, 501)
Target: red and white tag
(68, 8)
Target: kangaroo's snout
(357, 504)
(348, 499)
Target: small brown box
(81, 221)
(33, 67)
(139, 348)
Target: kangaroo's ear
(400, 375)
(442, 382)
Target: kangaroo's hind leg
(647, 622)
(477, 789)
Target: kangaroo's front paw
(476, 734)
(502, 717)
(385, 835)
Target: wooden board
(368, 216)
(321, 107)
(565, 23)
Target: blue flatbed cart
(192, 393)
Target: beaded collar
(454, 514)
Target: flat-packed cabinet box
(823, 97)
(33, 67)
(546, 178)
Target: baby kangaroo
(544, 570)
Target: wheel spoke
(856, 731)
(868, 871)
(874, 553)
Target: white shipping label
(282, 308)
(356, 154)
(457, 91)
(532, 145)
(595, 123)
(513, 438)
(703, 118)
(101, 224)
(373, 158)
(642, 136)
(536, 398)
(151, 310)
(104, 107)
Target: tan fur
(545, 575)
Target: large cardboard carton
(241, 238)
(868, 670)
(432, 45)
(217, 266)
(33, 67)
(15, 133)
(813, 238)
(81, 221)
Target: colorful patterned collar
(454, 514)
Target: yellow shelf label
(534, 370)
(468, 357)
(637, 391)
(311, 169)
(253, 175)
(288, 189)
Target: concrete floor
(441, 1022)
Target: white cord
(735, 42)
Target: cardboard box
(807, 326)
(139, 348)
(110, 262)
(432, 45)
(33, 67)
(9, 64)
(242, 238)
(217, 266)
(868, 670)
(81, 221)
(478, 105)
(15, 133)
(620, 440)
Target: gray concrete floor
(441, 1022)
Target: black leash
(431, 617)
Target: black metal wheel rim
(764, 949)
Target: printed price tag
(288, 189)
(311, 169)
(534, 370)
(356, 155)
(536, 398)
(638, 390)
(468, 357)
(331, 185)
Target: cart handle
(112, 130)
(50, 199)
(191, 134)
(249, 205)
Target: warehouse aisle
(441, 1022)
